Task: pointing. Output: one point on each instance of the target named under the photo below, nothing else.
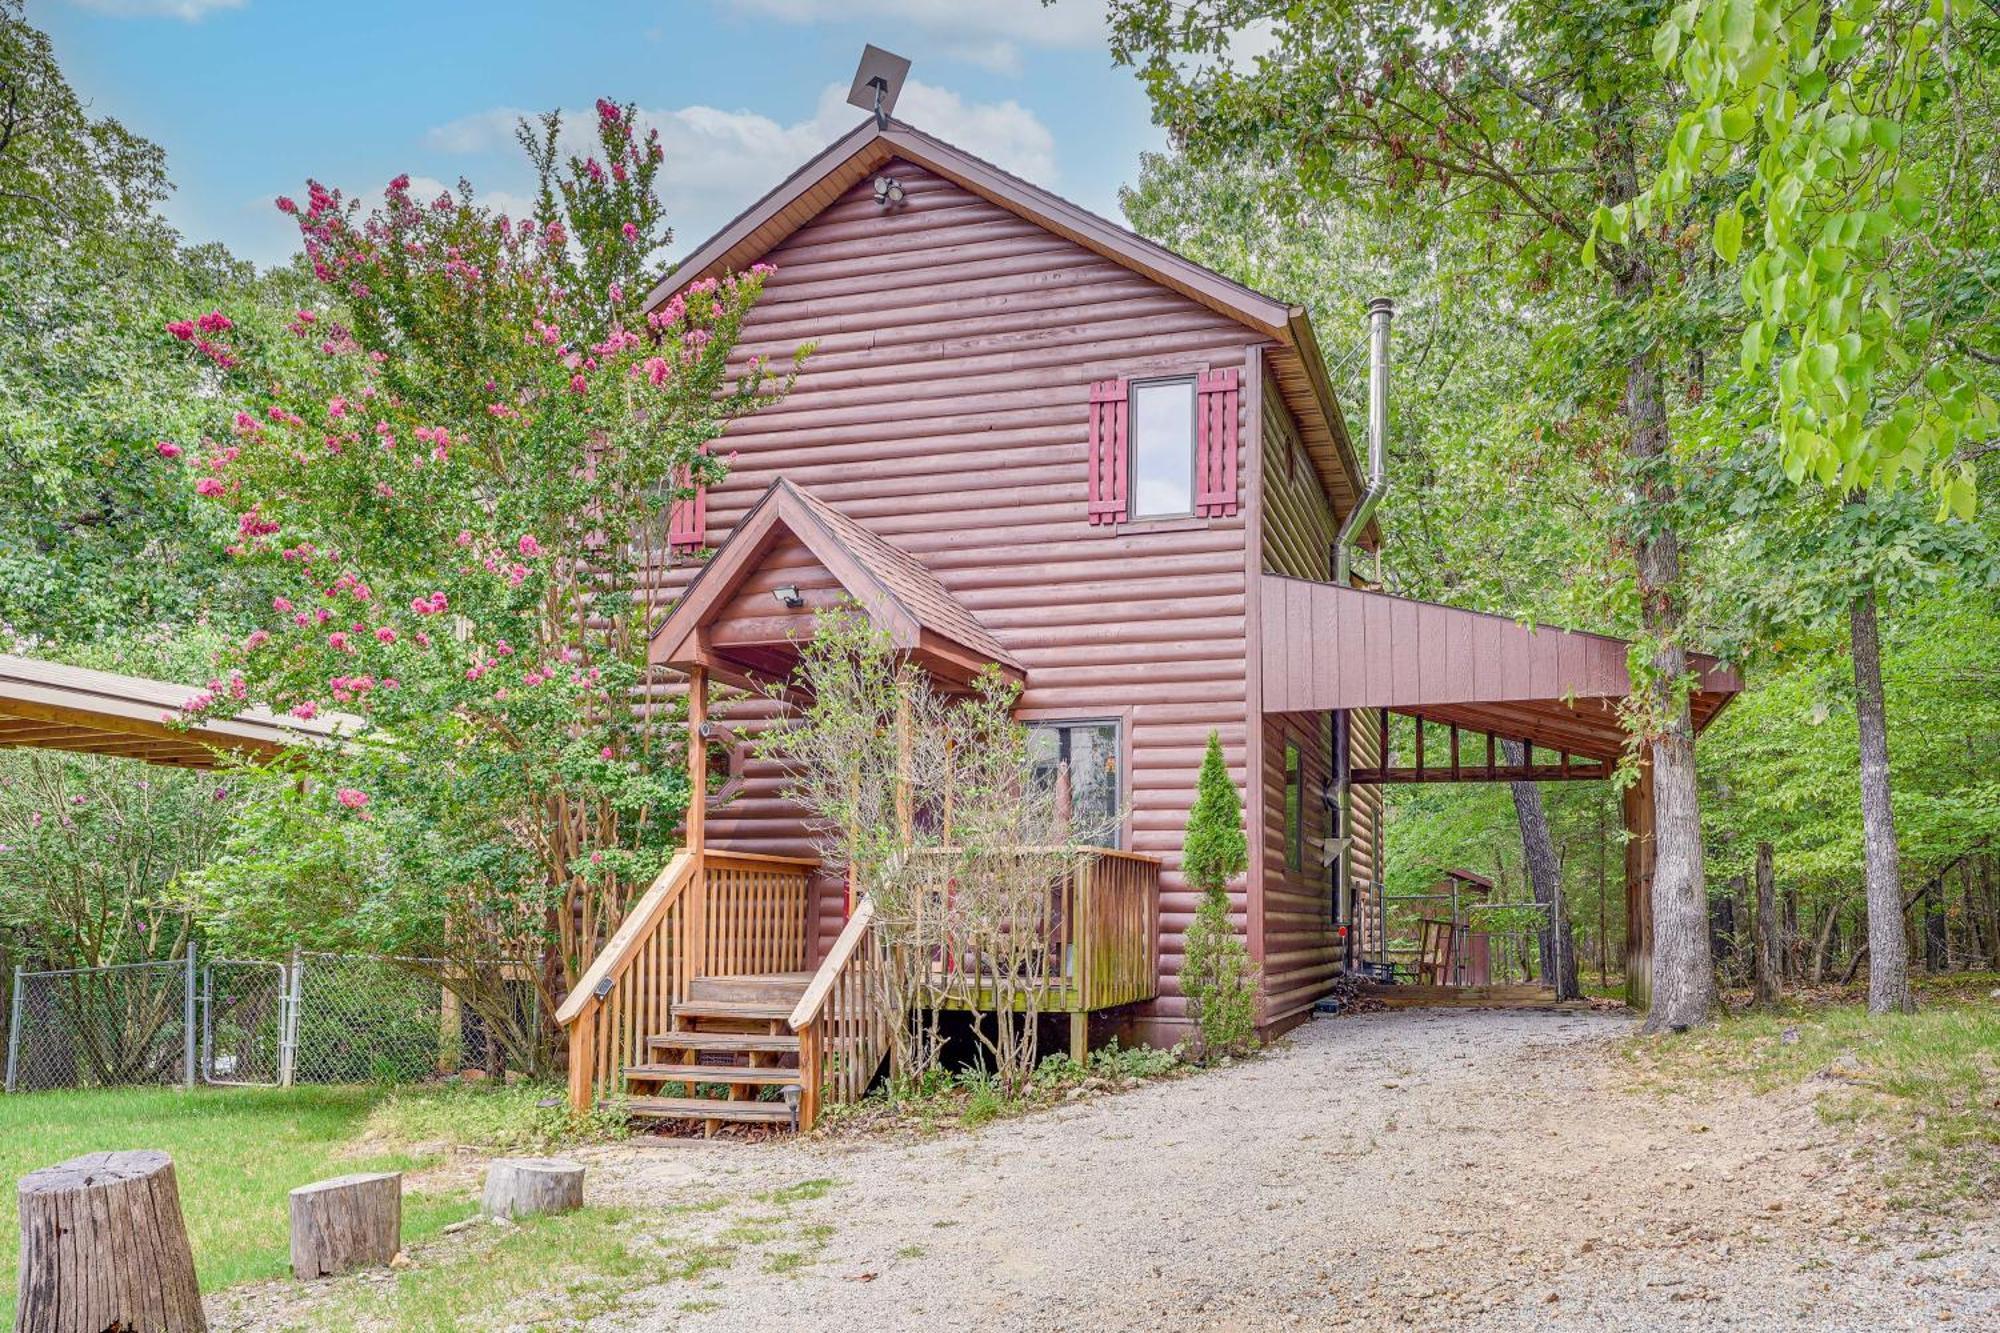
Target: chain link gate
(246, 1023)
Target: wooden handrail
(666, 888)
(814, 999)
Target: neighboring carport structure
(54, 706)
(1469, 680)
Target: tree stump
(345, 1223)
(103, 1246)
(524, 1186)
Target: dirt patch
(1428, 1169)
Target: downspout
(1346, 901)
(1380, 311)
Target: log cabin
(1031, 440)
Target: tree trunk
(1765, 925)
(1683, 989)
(1558, 949)
(103, 1246)
(345, 1223)
(1888, 956)
(1603, 894)
(526, 1186)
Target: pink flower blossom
(307, 710)
(631, 232)
(605, 753)
(167, 449)
(338, 642)
(281, 604)
(351, 798)
(528, 546)
(385, 635)
(182, 329)
(577, 384)
(400, 184)
(287, 205)
(214, 322)
(258, 638)
(208, 486)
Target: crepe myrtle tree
(457, 467)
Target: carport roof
(1328, 647)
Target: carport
(1468, 681)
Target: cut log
(103, 1246)
(346, 1223)
(525, 1186)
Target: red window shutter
(1108, 455)
(1215, 443)
(687, 519)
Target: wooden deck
(711, 969)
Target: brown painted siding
(1300, 949)
(946, 410)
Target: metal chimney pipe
(1380, 311)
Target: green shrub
(1217, 977)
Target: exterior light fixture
(888, 191)
(788, 595)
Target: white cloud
(189, 10)
(718, 162)
(989, 33)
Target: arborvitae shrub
(1217, 977)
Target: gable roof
(1295, 362)
(899, 594)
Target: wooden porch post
(697, 822)
(1637, 801)
(697, 813)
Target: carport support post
(187, 1025)
(1637, 801)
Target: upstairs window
(1163, 448)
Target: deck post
(1079, 1036)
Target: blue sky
(249, 97)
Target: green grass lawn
(238, 1151)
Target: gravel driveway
(1429, 1169)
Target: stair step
(743, 1009)
(734, 1042)
(664, 1073)
(761, 988)
(709, 1108)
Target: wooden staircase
(728, 1055)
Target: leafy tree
(95, 539)
(1843, 132)
(1217, 977)
(456, 491)
(1518, 123)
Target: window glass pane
(1294, 810)
(1090, 752)
(1162, 426)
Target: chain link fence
(317, 1018)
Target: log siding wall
(946, 408)
(1300, 949)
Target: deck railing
(1102, 922)
(718, 914)
(843, 1020)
